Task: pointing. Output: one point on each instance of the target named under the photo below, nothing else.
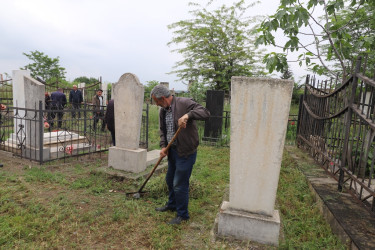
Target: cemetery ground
(69, 205)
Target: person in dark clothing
(47, 105)
(178, 112)
(110, 119)
(75, 99)
(47, 101)
(58, 102)
(2, 107)
(98, 105)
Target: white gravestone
(27, 93)
(128, 95)
(81, 86)
(259, 117)
(19, 98)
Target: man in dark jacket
(176, 112)
(110, 119)
(2, 107)
(75, 99)
(98, 105)
(58, 102)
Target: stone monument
(166, 84)
(27, 93)
(259, 117)
(128, 95)
(81, 86)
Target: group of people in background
(57, 101)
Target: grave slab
(131, 160)
(249, 226)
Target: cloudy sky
(96, 38)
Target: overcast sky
(96, 38)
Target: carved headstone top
(128, 95)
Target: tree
(356, 36)
(287, 73)
(86, 80)
(197, 91)
(216, 45)
(331, 35)
(150, 85)
(45, 67)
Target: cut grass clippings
(70, 207)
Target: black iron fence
(219, 135)
(46, 134)
(337, 126)
(6, 93)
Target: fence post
(84, 118)
(347, 123)
(41, 132)
(300, 108)
(147, 113)
(299, 114)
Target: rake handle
(160, 158)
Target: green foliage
(355, 36)
(45, 67)
(287, 73)
(197, 91)
(297, 92)
(86, 80)
(216, 45)
(275, 60)
(345, 30)
(149, 86)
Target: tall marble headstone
(128, 95)
(259, 117)
(27, 93)
(19, 98)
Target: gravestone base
(127, 159)
(248, 226)
(34, 153)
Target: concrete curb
(349, 220)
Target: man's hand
(163, 152)
(183, 121)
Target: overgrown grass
(70, 207)
(153, 128)
(303, 225)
